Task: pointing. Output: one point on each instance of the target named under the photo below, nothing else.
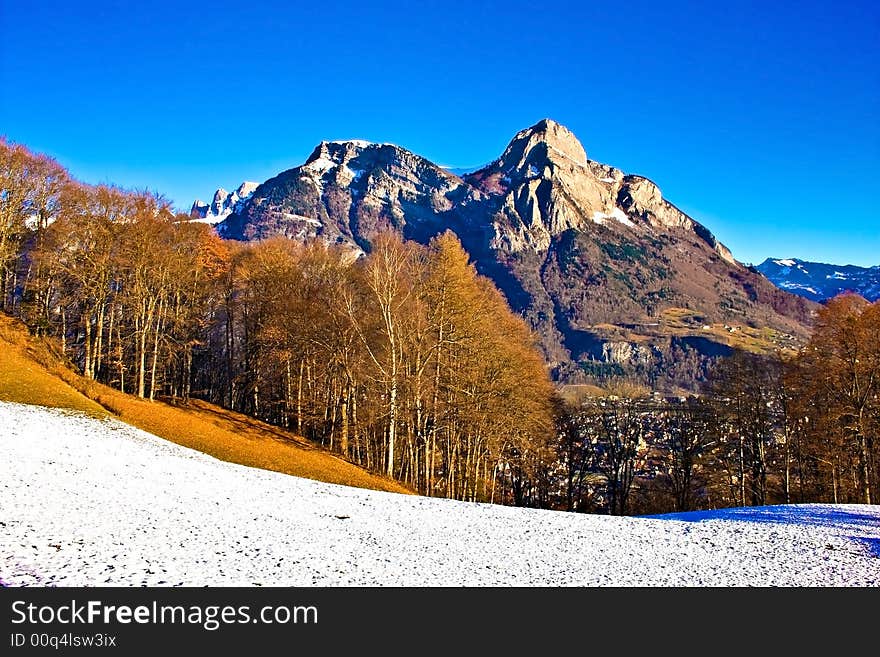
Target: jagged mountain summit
(348, 191)
(613, 277)
(819, 281)
(547, 186)
(223, 204)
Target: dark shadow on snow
(820, 516)
(872, 543)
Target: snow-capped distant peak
(224, 204)
(819, 281)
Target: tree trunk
(99, 340)
(121, 355)
(230, 347)
(155, 352)
(864, 478)
(343, 409)
(187, 382)
(392, 418)
(87, 355)
(299, 398)
(64, 331)
(141, 333)
(787, 479)
(288, 392)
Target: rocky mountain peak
(245, 189)
(223, 203)
(220, 197)
(545, 141)
(329, 154)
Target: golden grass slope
(26, 380)
(32, 371)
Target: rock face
(223, 204)
(346, 192)
(818, 281)
(579, 247)
(549, 186)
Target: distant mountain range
(818, 281)
(613, 277)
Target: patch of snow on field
(97, 502)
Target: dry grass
(685, 322)
(25, 379)
(32, 372)
(240, 439)
(576, 393)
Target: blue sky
(758, 118)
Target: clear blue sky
(761, 119)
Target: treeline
(407, 362)
(766, 430)
(404, 361)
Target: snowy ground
(92, 502)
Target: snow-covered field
(91, 502)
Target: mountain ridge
(819, 281)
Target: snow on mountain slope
(819, 281)
(97, 502)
